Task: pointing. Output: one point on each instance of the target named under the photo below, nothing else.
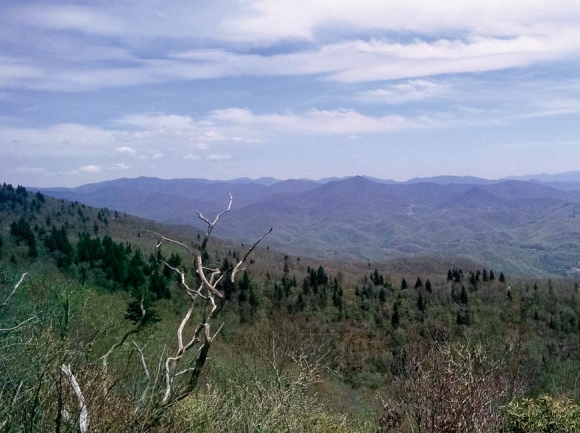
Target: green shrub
(542, 415)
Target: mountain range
(527, 227)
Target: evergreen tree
(421, 303)
(306, 287)
(158, 285)
(404, 284)
(22, 232)
(472, 279)
(135, 272)
(418, 283)
(278, 295)
(463, 297)
(396, 317)
(321, 277)
(337, 296)
(501, 278)
(382, 296)
(463, 317)
(174, 261)
(428, 286)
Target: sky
(219, 89)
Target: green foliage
(58, 244)
(9, 195)
(90, 290)
(544, 414)
(21, 231)
(235, 409)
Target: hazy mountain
(446, 180)
(267, 181)
(521, 227)
(567, 177)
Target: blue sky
(95, 90)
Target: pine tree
(463, 318)
(404, 284)
(428, 286)
(396, 317)
(501, 278)
(382, 296)
(421, 303)
(418, 283)
(306, 287)
(463, 297)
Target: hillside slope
(525, 228)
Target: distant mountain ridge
(523, 227)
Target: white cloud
(66, 138)
(28, 170)
(191, 157)
(217, 157)
(151, 155)
(554, 107)
(319, 122)
(126, 149)
(90, 168)
(268, 21)
(120, 166)
(157, 121)
(412, 90)
(76, 18)
(347, 41)
(14, 71)
(357, 61)
(200, 146)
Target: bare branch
(17, 326)
(210, 286)
(144, 395)
(163, 238)
(201, 338)
(140, 350)
(237, 268)
(180, 348)
(5, 303)
(191, 292)
(136, 329)
(84, 415)
(211, 225)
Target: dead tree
(5, 304)
(182, 368)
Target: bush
(542, 415)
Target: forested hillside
(105, 326)
(524, 227)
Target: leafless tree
(182, 368)
(452, 388)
